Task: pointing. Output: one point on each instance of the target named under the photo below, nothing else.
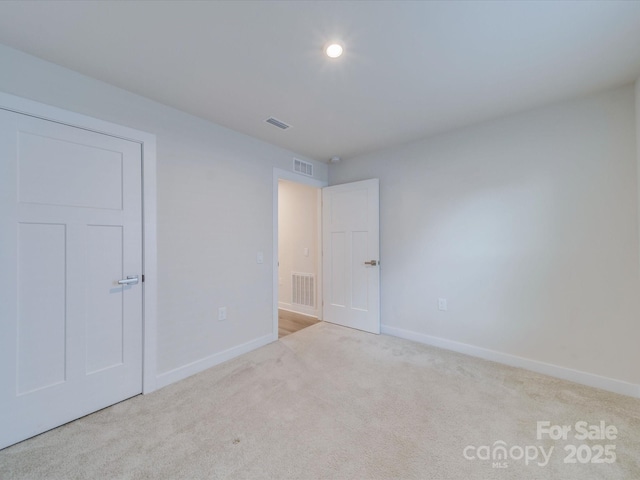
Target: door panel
(351, 238)
(104, 319)
(71, 217)
(359, 276)
(336, 273)
(65, 165)
(41, 324)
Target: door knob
(131, 280)
(373, 263)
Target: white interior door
(351, 249)
(70, 230)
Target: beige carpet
(330, 402)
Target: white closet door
(70, 230)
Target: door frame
(147, 143)
(290, 176)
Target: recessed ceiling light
(333, 50)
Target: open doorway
(299, 243)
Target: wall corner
(637, 98)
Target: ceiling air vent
(304, 168)
(277, 123)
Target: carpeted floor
(330, 402)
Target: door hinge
(143, 278)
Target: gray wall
(215, 190)
(528, 225)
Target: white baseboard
(180, 373)
(302, 310)
(577, 376)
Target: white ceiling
(410, 69)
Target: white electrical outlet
(260, 257)
(442, 304)
(222, 313)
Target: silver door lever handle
(131, 280)
(373, 263)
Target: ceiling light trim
(334, 50)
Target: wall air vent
(305, 168)
(277, 123)
(303, 289)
